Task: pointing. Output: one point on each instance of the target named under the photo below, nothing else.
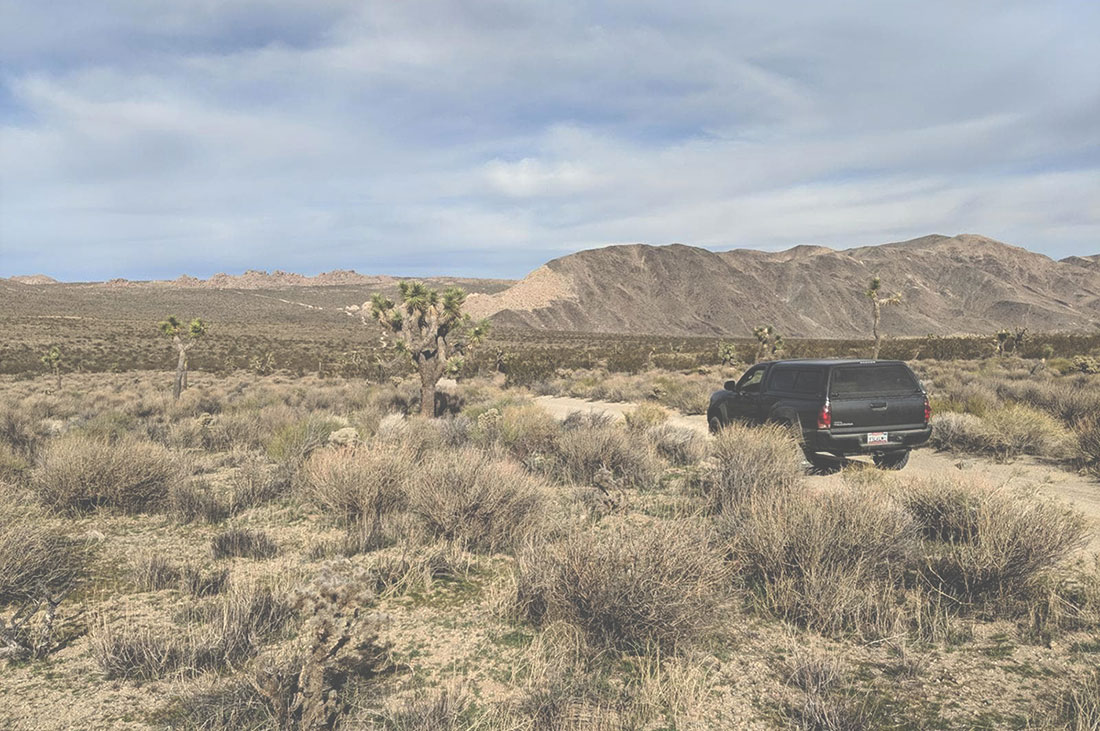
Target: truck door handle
(878, 405)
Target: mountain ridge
(959, 284)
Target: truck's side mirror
(730, 386)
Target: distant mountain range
(949, 285)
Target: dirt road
(1026, 472)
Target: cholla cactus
(877, 303)
(184, 339)
(769, 341)
(430, 329)
(52, 360)
(339, 643)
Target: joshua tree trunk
(429, 377)
(57, 373)
(876, 314)
(181, 371)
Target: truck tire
(892, 460)
(715, 425)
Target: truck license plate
(877, 437)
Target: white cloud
(312, 136)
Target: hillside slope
(959, 284)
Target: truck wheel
(715, 425)
(891, 460)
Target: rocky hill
(949, 285)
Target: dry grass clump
(1078, 707)
(985, 543)
(957, 431)
(232, 632)
(444, 709)
(256, 482)
(750, 463)
(829, 698)
(356, 484)
(829, 562)
(679, 445)
(196, 500)
(35, 559)
(475, 500)
(76, 473)
(630, 588)
(587, 450)
(155, 573)
(13, 466)
(243, 543)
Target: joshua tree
(1005, 341)
(1001, 341)
(727, 353)
(184, 340)
(769, 341)
(877, 303)
(431, 329)
(52, 360)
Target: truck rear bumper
(824, 440)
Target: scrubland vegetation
(299, 552)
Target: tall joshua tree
(184, 338)
(768, 341)
(52, 360)
(874, 294)
(430, 328)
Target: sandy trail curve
(1026, 472)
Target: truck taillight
(927, 410)
(825, 417)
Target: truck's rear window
(880, 380)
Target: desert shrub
(986, 543)
(685, 396)
(357, 484)
(1088, 443)
(1016, 429)
(828, 562)
(13, 466)
(292, 444)
(585, 451)
(526, 430)
(241, 542)
(76, 473)
(220, 705)
(679, 445)
(109, 426)
(17, 430)
(196, 500)
(830, 699)
(956, 431)
(256, 482)
(480, 502)
(645, 416)
(749, 463)
(35, 558)
(629, 588)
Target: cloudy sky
(146, 139)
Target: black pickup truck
(840, 407)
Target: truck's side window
(808, 382)
(750, 382)
(782, 380)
